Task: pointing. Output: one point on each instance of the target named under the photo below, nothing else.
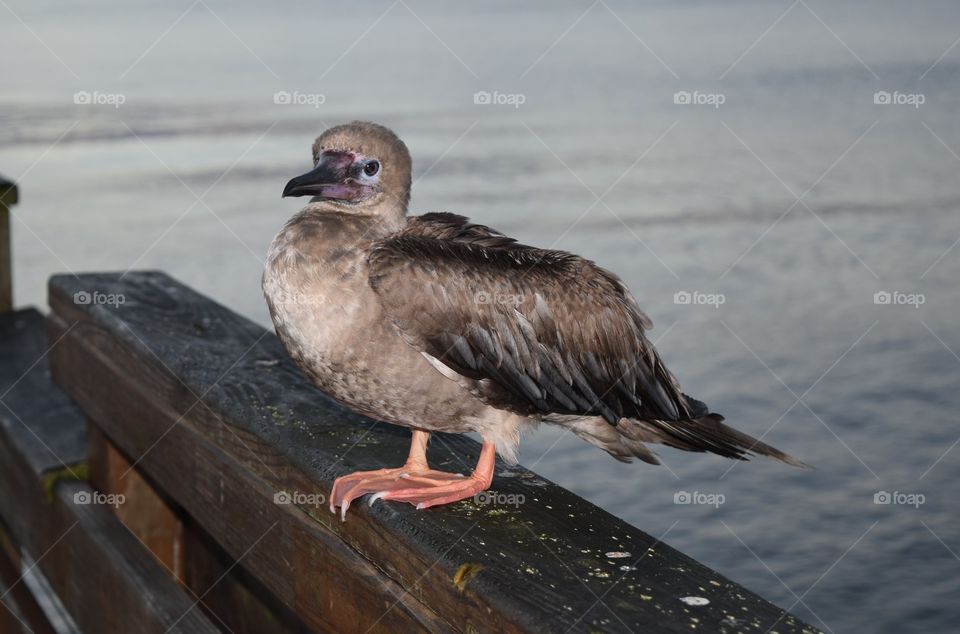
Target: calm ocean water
(781, 201)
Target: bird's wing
(555, 332)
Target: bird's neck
(385, 219)
(392, 215)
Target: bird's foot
(348, 488)
(436, 492)
(415, 482)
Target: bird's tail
(706, 433)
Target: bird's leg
(431, 491)
(413, 474)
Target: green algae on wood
(79, 472)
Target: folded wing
(539, 331)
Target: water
(798, 350)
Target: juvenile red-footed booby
(436, 324)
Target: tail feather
(707, 433)
(598, 432)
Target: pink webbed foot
(415, 482)
(436, 493)
(348, 488)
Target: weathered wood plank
(41, 428)
(233, 600)
(144, 513)
(50, 428)
(232, 597)
(225, 421)
(132, 591)
(19, 610)
(99, 570)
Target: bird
(438, 324)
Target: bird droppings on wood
(465, 573)
(275, 414)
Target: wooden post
(8, 198)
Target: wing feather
(543, 331)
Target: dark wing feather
(544, 331)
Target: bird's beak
(329, 179)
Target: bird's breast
(332, 324)
(318, 296)
(326, 314)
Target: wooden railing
(222, 431)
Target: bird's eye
(371, 168)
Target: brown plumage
(436, 323)
(539, 332)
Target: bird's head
(358, 167)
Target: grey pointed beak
(331, 171)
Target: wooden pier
(164, 467)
